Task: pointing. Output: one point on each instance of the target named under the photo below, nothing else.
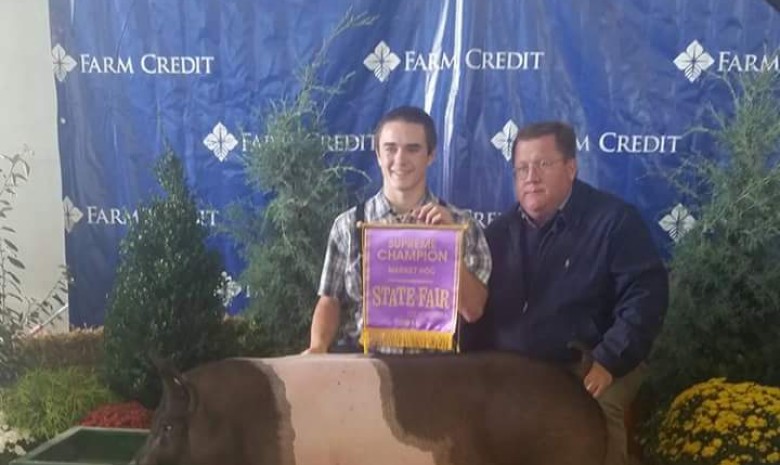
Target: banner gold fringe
(372, 337)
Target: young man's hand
(433, 213)
(315, 350)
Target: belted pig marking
(337, 413)
(278, 434)
(479, 409)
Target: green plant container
(87, 445)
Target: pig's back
(487, 409)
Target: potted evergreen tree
(164, 298)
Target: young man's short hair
(409, 114)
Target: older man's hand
(597, 380)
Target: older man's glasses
(522, 170)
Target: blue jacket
(599, 280)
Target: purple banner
(410, 285)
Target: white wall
(28, 116)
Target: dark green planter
(85, 445)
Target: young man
(405, 141)
(572, 264)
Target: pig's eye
(167, 428)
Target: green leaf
(15, 262)
(18, 176)
(13, 276)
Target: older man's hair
(409, 114)
(565, 139)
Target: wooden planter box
(86, 445)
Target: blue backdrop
(632, 76)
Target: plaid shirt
(341, 271)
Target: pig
(354, 409)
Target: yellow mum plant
(720, 423)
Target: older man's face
(543, 177)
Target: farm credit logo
(149, 63)
(695, 60)
(608, 142)
(95, 215)
(382, 60)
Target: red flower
(123, 415)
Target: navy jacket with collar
(599, 280)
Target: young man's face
(543, 176)
(403, 156)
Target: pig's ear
(165, 368)
(175, 384)
(186, 391)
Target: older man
(572, 263)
